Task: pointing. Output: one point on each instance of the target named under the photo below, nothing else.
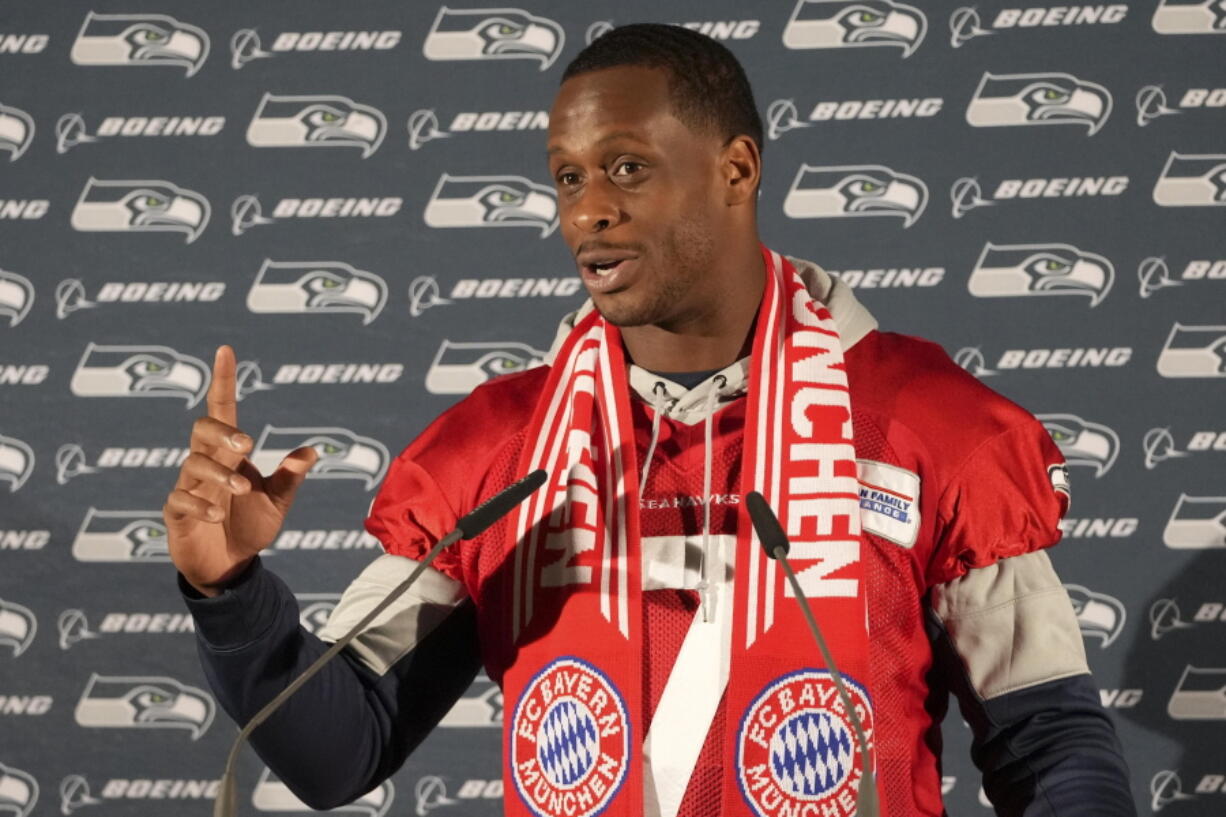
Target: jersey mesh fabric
(914, 410)
(667, 615)
(666, 618)
(897, 645)
(677, 474)
(900, 654)
(485, 560)
(706, 786)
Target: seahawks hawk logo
(316, 286)
(458, 368)
(140, 39)
(1007, 270)
(1082, 442)
(16, 462)
(18, 791)
(16, 296)
(271, 795)
(342, 454)
(1099, 615)
(144, 206)
(855, 24)
(492, 201)
(316, 122)
(1196, 523)
(1038, 99)
(1190, 17)
(17, 627)
(121, 536)
(493, 34)
(139, 371)
(16, 131)
(144, 702)
(1192, 181)
(1194, 351)
(855, 190)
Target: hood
(688, 406)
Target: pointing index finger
(221, 399)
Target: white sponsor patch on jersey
(889, 501)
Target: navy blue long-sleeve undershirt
(347, 729)
(1045, 751)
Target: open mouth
(606, 275)
(607, 269)
(603, 268)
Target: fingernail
(237, 483)
(239, 441)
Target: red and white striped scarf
(573, 732)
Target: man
(651, 659)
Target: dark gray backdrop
(998, 155)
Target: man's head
(655, 150)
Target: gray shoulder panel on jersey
(404, 623)
(1012, 623)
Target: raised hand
(222, 511)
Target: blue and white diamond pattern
(567, 743)
(811, 753)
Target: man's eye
(627, 168)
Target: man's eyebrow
(609, 137)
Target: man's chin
(620, 313)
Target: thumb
(291, 471)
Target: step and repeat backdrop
(355, 196)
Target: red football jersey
(953, 476)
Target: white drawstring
(704, 584)
(659, 393)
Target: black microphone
(475, 522)
(775, 543)
(472, 524)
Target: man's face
(638, 195)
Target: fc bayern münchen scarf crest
(573, 690)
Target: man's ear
(741, 163)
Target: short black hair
(707, 84)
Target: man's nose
(597, 209)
